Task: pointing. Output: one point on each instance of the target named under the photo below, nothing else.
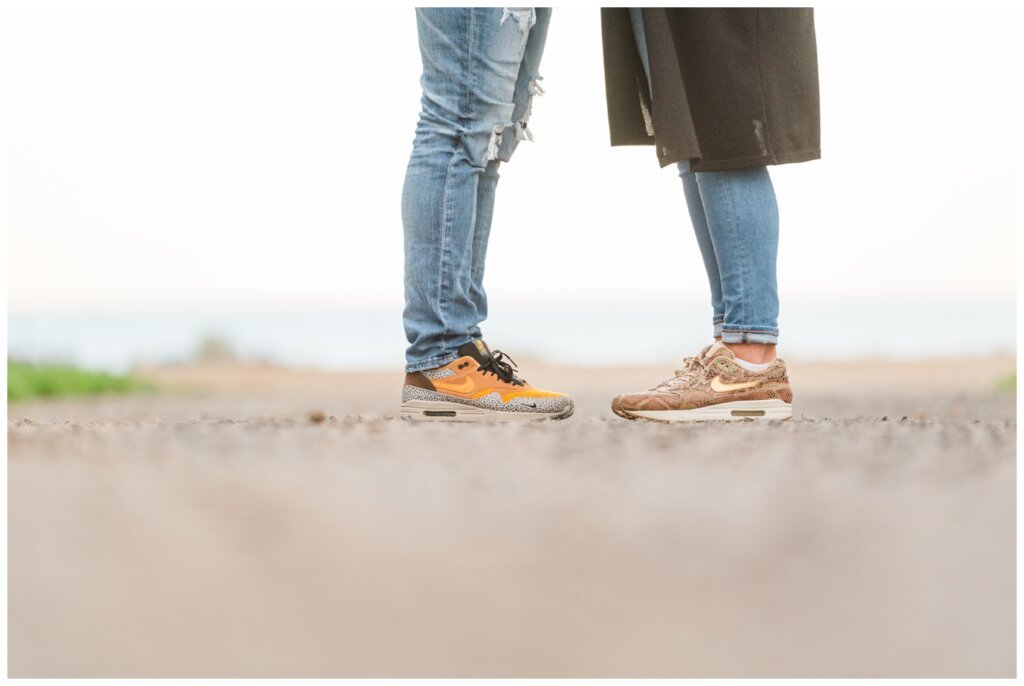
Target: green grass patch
(1007, 384)
(26, 381)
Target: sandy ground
(215, 530)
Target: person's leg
(743, 225)
(699, 220)
(527, 86)
(479, 73)
(471, 63)
(485, 195)
(735, 219)
(692, 194)
(738, 377)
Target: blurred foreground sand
(215, 531)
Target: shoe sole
(737, 410)
(440, 411)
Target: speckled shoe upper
(482, 379)
(706, 379)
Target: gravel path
(226, 534)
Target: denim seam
(447, 205)
(446, 221)
(470, 73)
(733, 330)
(736, 244)
(715, 279)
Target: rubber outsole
(440, 411)
(738, 410)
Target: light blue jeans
(480, 73)
(736, 219)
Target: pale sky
(186, 157)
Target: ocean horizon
(618, 334)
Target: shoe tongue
(476, 349)
(719, 349)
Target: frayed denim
(480, 73)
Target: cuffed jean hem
(717, 326)
(746, 336)
(432, 363)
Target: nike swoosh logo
(719, 387)
(465, 386)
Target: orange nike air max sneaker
(478, 386)
(712, 386)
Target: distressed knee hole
(494, 145)
(522, 126)
(525, 17)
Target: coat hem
(699, 165)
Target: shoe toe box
(542, 401)
(647, 400)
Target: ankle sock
(751, 367)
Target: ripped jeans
(480, 73)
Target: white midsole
(732, 411)
(419, 409)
